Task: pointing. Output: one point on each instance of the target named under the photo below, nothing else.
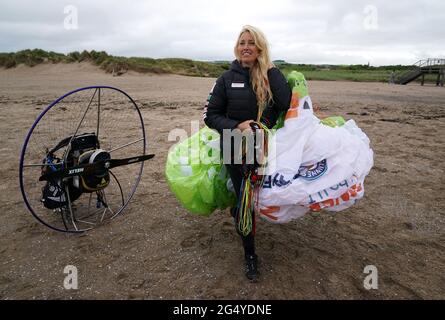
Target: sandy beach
(158, 250)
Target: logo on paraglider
(314, 171)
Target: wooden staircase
(420, 69)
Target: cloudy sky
(336, 32)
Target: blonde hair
(258, 72)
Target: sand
(158, 250)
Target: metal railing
(429, 62)
(418, 67)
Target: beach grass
(188, 67)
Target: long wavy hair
(258, 72)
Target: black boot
(252, 267)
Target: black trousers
(237, 177)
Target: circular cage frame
(30, 132)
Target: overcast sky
(336, 32)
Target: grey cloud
(298, 31)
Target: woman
(252, 90)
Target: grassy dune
(188, 67)
(361, 73)
(110, 63)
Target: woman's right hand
(245, 125)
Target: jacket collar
(236, 66)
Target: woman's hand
(245, 125)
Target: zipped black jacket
(232, 99)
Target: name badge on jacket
(237, 84)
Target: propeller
(91, 168)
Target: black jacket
(232, 99)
